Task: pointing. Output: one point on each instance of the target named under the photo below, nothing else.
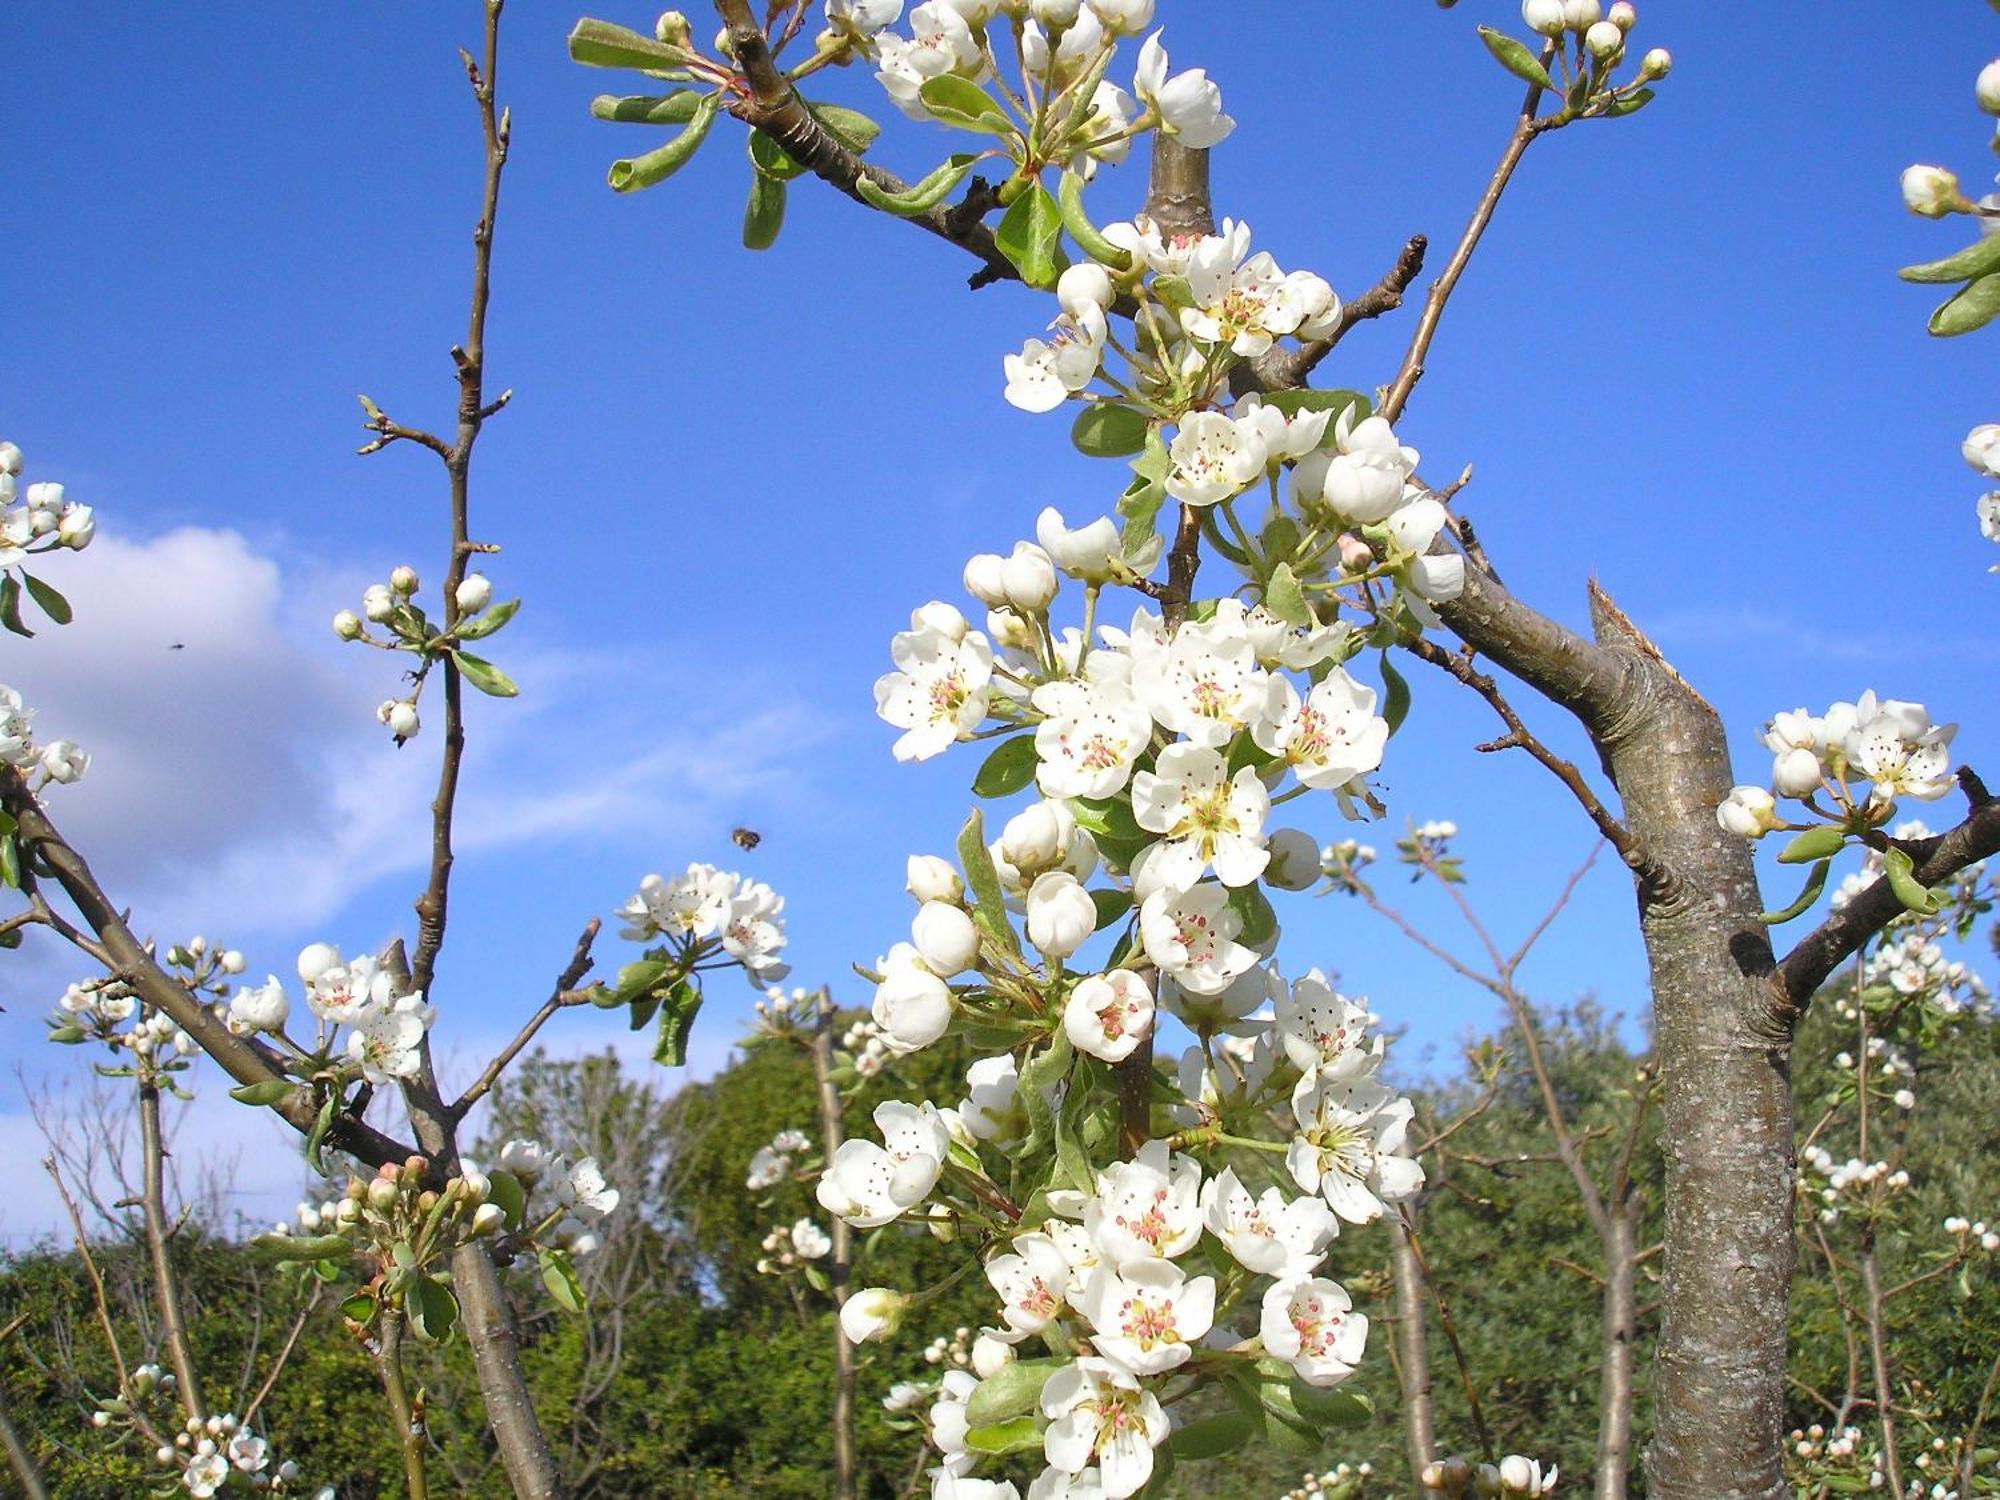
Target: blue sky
(1681, 363)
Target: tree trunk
(1412, 1350)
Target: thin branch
(562, 997)
(1935, 859)
(166, 1287)
(842, 1259)
(284, 1354)
(1451, 1337)
(1287, 369)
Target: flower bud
(260, 1007)
(1544, 17)
(912, 1005)
(1982, 449)
(872, 1314)
(1657, 63)
(1084, 287)
(1056, 15)
(1037, 838)
(930, 878)
(1932, 192)
(63, 762)
(473, 593)
(382, 1195)
(488, 1218)
(1294, 862)
(10, 459)
(474, 1184)
(946, 619)
(231, 962)
(1028, 578)
(1604, 41)
(1624, 15)
(1795, 773)
(404, 581)
(671, 28)
(77, 527)
(347, 625)
(377, 602)
(315, 959)
(402, 721)
(1987, 90)
(1009, 631)
(945, 937)
(1355, 555)
(990, 1356)
(1581, 15)
(1061, 915)
(983, 579)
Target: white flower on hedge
(1328, 737)
(1270, 1235)
(1148, 1314)
(64, 762)
(1100, 1415)
(260, 1007)
(1350, 1134)
(870, 1185)
(248, 1452)
(1230, 1009)
(1089, 736)
(1214, 457)
(530, 1159)
(872, 1314)
(912, 1005)
(1033, 1282)
(1205, 817)
(1189, 105)
(1108, 1015)
(1520, 1475)
(1311, 1324)
(1323, 1032)
(1148, 1208)
(207, 1472)
(1061, 915)
(1123, 17)
(1191, 935)
(810, 1241)
(991, 1110)
(938, 692)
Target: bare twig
(562, 997)
(842, 1259)
(1282, 369)
(284, 1354)
(166, 1286)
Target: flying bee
(745, 838)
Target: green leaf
(816, 1278)
(10, 862)
(676, 108)
(921, 197)
(433, 1310)
(360, 1308)
(1212, 1437)
(1629, 104)
(10, 606)
(52, 603)
(850, 127)
(1815, 883)
(1027, 236)
(316, 1137)
(1038, 1075)
(991, 907)
(1515, 57)
(1974, 307)
(483, 675)
(261, 1094)
(677, 1015)
(1912, 892)
(505, 1189)
(640, 977)
(764, 214)
(1334, 1406)
(1110, 821)
(1109, 429)
(1284, 598)
(1822, 842)
(1254, 907)
(1008, 769)
(481, 626)
(963, 103)
(656, 166)
(302, 1247)
(1005, 1437)
(1395, 695)
(770, 158)
(1010, 1391)
(559, 1276)
(1111, 905)
(1089, 239)
(1977, 259)
(599, 44)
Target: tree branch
(1286, 369)
(1841, 935)
(561, 998)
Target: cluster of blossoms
(1971, 1232)
(711, 918)
(207, 1456)
(1815, 1455)
(955, 1350)
(1848, 1460)
(786, 1250)
(43, 519)
(1887, 743)
(772, 1164)
(1840, 1176)
(94, 1009)
(386, 1023)
(59, 761)
(1341, 1482)
(1071, 113)
(1982, 451)
(471, 616)
(1462, 1479)
(1599, 31)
